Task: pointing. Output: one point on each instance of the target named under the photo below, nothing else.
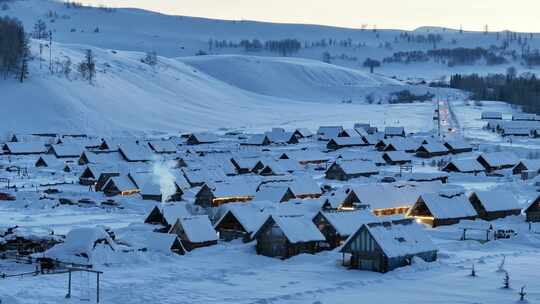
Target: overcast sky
(517, 15)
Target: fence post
(68, 296)
(97, 289)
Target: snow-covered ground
(250, 91)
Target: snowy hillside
(130, 96)
(293, 78)
(174, 36)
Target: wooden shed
(532, 211)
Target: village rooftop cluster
(366, 193)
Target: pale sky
(517, 15)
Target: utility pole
(40, 54)
(50, 51)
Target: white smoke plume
(163, 175)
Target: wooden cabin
(195, 232)
(532, 212)
(385, 246)
(497, 160)
(345, 142)
(120, 185)
(347, 170)
(166, 216)
(432, 149)
(338, 226)
(202, 138)
(526, 165)
(435, 209)
(469, 165)
(239, 222)
(458, 146)
(287, 236)
(494, 204)
(278, 193)
(394, 132)
(396, 157)
(204, 197)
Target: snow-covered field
(251, 92)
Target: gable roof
(250, 218)
(198, 229)
(135, 152)
(347, 223)
(398, 238)
(467, 165)
(25, 147)
(497, 200)
(297, 229)
(443, 207)
(358, 167)
(496, 159)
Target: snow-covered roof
(491, 115)
(172, 212)
(398, 156)
(382, 196)
(401, 239)
(279, 137)
(496, 159)
(497, 200)
(394, 131)
(273, 194)
(305, 185)
(530, 164)
(79, 241)
(162, 146)
(348, 141)
(347, 223)
(402, 144)
(67, 150)
(249, 217)
(467, 165)
(458, 144)
(198, 228)
(102, 158)
(136, 152)
(204, 137)
(434, 147)
(25, 147)
(443, 207)
(122, 182)
(236, 188)
(329, 131)
(298, 229)
(357, 167)
(257, 139)
(151, 241)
